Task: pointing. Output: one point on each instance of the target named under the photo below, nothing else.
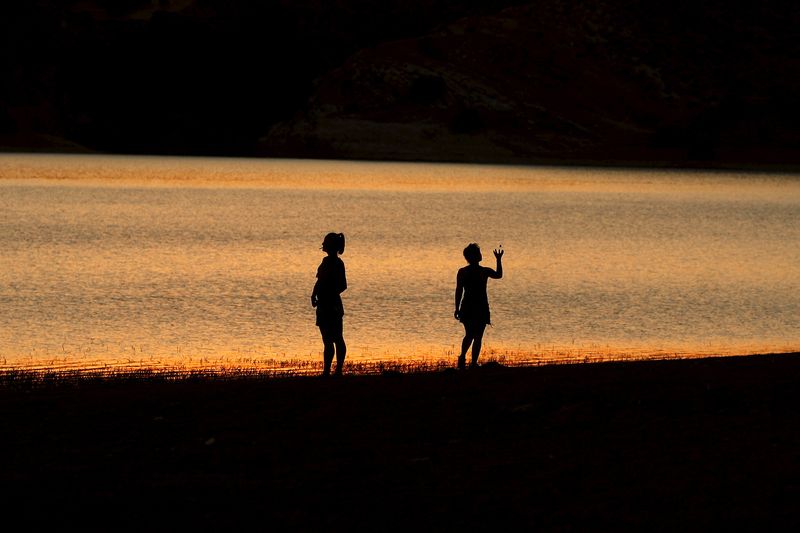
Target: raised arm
(459, 294)
(498, 273)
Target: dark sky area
(681, 83)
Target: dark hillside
(635, 82)
(615, 81)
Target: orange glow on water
(117, 262)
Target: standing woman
(326, 297)
(473, 309)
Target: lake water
(108, 259)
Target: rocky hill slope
(614, 82)
(514, 81)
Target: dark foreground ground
(696, 444)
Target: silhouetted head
(333, 243)
(472, 253)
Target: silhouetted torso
(475, 304)
(331, 283)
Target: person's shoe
(473, 365)
(462, 362)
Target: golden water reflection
(117, 262)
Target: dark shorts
(329, 321)
(331, 330)
(329, 313)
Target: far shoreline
(622, 163)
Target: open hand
(499, 253)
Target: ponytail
(334, 241)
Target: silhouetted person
(473, 309)
(326, 297)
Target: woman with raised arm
(472, 303)
(326, 297)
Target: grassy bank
(658, 445)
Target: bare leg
(327, 358)
(476, 344)
(462, 359)
(341, 352)
(328, 350)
